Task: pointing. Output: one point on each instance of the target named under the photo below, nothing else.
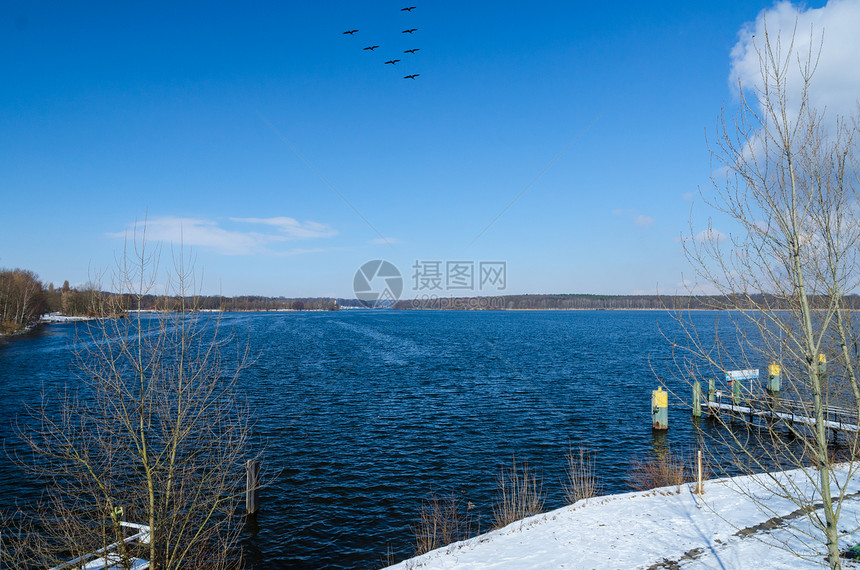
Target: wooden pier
(108, 558)
(777, 409)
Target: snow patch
(670, 527)
(59, 318)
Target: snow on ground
(58, 318)
(669, 527)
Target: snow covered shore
(58, 318)
(661, 528)
(47, 318)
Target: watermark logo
(377, 283)
(435, 284)
(459, 276)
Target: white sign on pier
(751, 374)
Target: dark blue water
(366, 413)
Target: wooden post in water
(773, 384)
(712, 394)
(659, 409)
(736, 392)
(697, 399)
(252, 485)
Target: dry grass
(581, 482)
(519, 495)
(388, 559)
(663, 469)
(440, 522)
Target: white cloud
(385, 241)
(292, 227)
(640, 220)
(836, 83)
(196, 232)
(687, 287)
(710, 235)
(301, 251)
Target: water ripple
(366, 413)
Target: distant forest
(606, 302)
(499, 303)
(24, 298)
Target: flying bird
(409, 9)
(392, 61)
(371, 48)
(413, 76)
(408, 31)
(350, 32)
(411, 50)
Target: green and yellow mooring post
(736, 392)
(822, 378)
(773, 384)
(659, 409)
(697, 399)
(712, 394)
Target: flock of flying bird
(393, 62)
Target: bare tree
(22, 299)
(786, 185)
(152, 431)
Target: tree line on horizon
(576, 301)
(24, 299)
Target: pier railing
(790, 411)
(107, 558)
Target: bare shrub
(153, 431)
(581, 482)
(519, 495)
(440, 522)
(665, 468)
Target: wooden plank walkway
(107, 559)
(838, 419)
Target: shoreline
(51, 318)
(738, 522)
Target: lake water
(366, 413)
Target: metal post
(697, 399)
(659, 409)
(252, 485)
(773, 384)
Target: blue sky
(288, 156)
